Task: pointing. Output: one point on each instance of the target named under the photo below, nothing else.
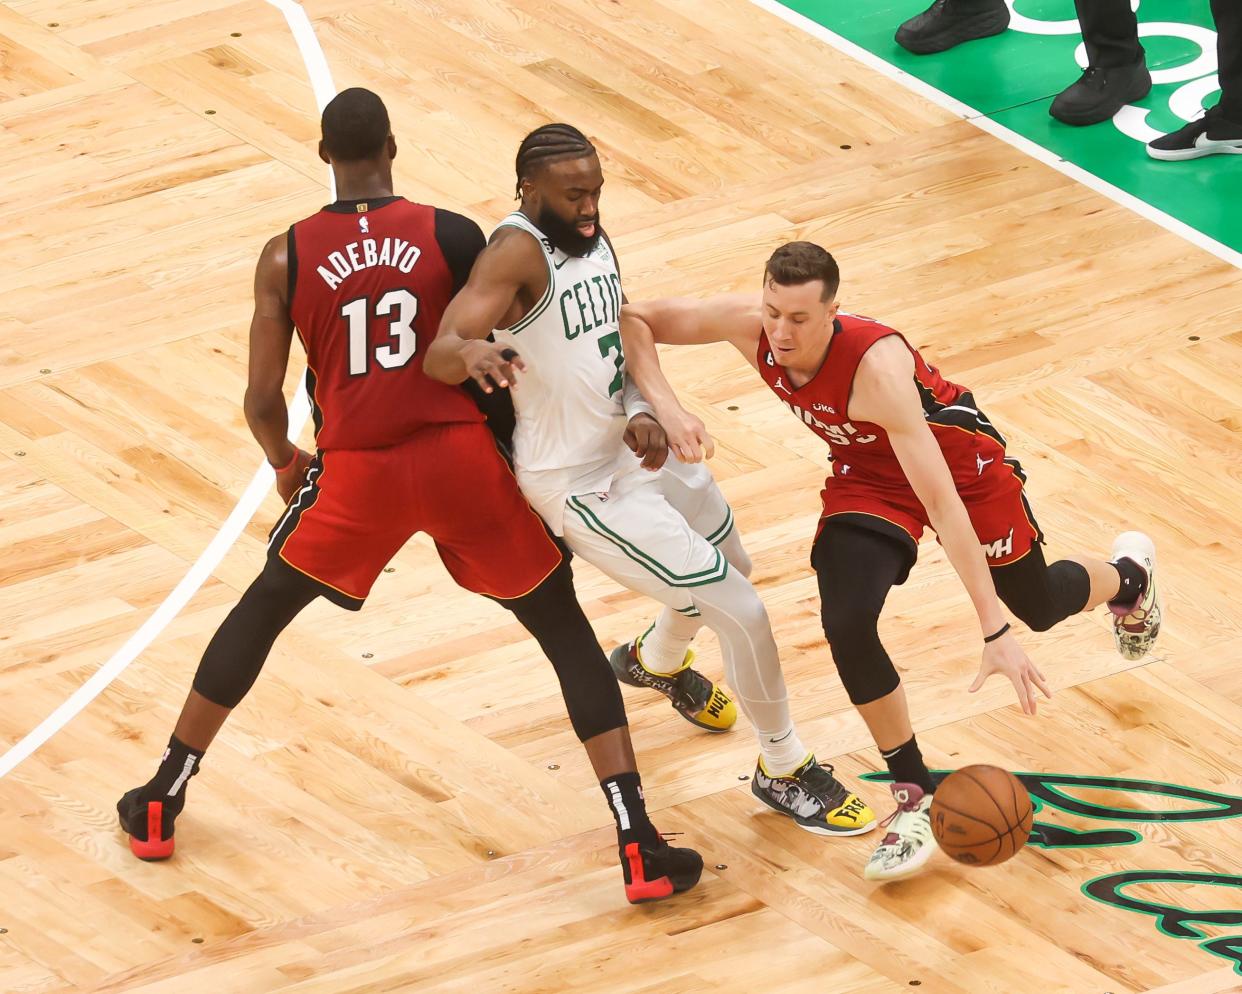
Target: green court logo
(1051, 792)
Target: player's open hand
(647, 440)
(291, 477)
(688, 439)
(1006, 657)
(491, 365)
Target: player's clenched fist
(647, 440)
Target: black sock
(1133, 582)
(180, 762)
(629, 811)
(906, 765)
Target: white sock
(784, 755)
(663, 648)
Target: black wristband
(998, 633)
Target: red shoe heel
(156, 847)
(640, 889)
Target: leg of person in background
(1043, 596)
(1219, 131)
(237, 652)
(551, 614)
(1116, 72)
(661, 657)
(229, 667)
(635, 536)
(856, 568)
(948, 23)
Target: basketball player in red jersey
(365, 282)
(910, 450)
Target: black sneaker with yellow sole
(814, 798)
(693, 695)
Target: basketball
(981, 815)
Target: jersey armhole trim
(546, 299)
(291, 250)
(849, 387)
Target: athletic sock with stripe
(180, 762)
(625, 799)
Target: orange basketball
(981, 815)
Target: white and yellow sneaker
(1135, 626)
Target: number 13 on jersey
(401, 329)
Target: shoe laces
(906, 805)
(694, 690)
(819, 779)
(1094, 77)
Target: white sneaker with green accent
(1135, 626)
(909, 843)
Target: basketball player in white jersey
(549, 282)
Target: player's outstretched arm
(884, 393)
(509, 264)
(683, 321)
(271, 331)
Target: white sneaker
(1135, 626)
(909, 843)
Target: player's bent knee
(864, 667)
(1038, 617)
(736, 553)
(236, 653)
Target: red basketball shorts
(997, 507)
(360, 506)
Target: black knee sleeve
(238, 650)
(867, 672)
(1040, 595)
(856, 568)
(552, 615)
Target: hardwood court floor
(400, 805)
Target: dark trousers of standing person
(1110, 29)
(1228, 17)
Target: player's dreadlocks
(548, 144)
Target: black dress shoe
(1100, 93)
(947, 23)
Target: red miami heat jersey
(861, 450)
(369, 282)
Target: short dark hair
(355, 125)
(550, 143)
(795, 263)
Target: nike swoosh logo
(1203, 141)
(558, 265)
(782, 738)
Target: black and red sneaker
(148, 823)
(656, 871)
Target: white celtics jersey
(570, 414)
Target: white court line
(260, 483)
(1019, 142)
